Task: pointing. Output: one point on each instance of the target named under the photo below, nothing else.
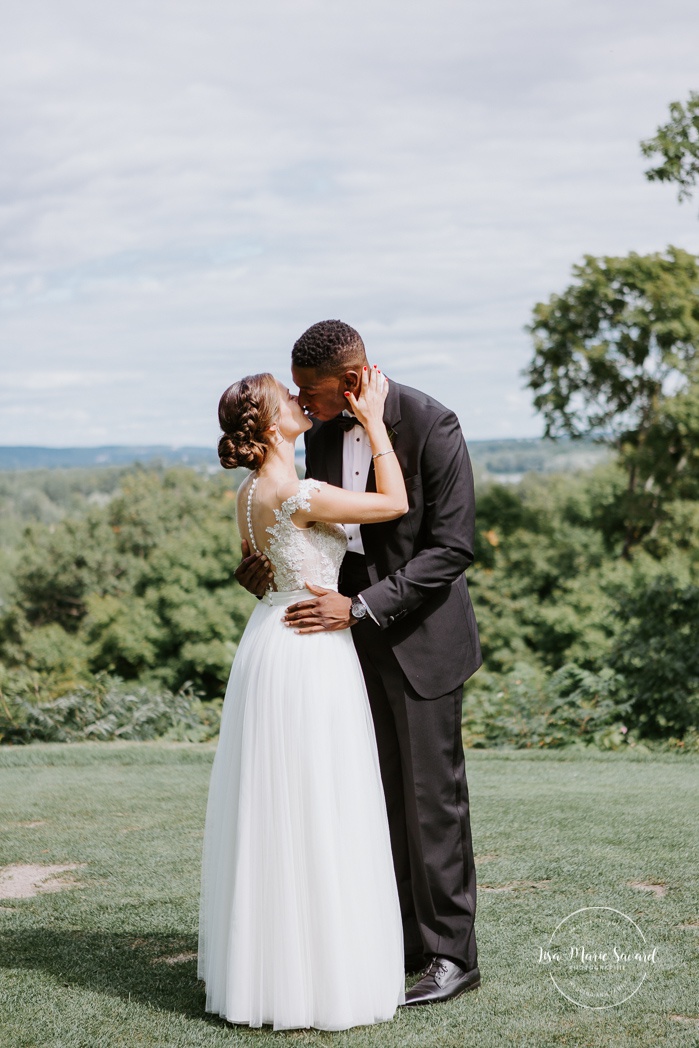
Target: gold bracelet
(380, 453)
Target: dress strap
(251, 533)
(300, 500)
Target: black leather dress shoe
(443, 981)
(415, 963)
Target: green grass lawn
(113, 962)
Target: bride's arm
(336, 505)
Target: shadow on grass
(127, 966)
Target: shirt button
(356, 473)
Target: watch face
(358, 609)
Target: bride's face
(292, 420)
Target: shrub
(107, 709)
(527, 708)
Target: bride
(299, 922)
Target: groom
(403, 593)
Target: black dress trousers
(424, 780)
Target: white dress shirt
(356, 460)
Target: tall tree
(677, 145)
(611, 352)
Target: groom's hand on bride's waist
(326, 611)
(254, 572)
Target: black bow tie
(346, 422)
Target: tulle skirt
(299, 921)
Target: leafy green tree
(667, 460)
(541, 556)
(677, 145)
(142, 587)
(60, 566)
(616, 358)
(657, 654)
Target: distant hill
(109, 455)
(509, 460)
(505, 459)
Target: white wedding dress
(299, 923)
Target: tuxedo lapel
(391, 417)
(391, 409)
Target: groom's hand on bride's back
(325, 612)
(254, 572)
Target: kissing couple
(337, 854)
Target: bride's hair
(245, 411)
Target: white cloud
(11, 381)
(186, 187)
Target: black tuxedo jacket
(416, 564)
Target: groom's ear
(351, 381)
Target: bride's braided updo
(245, 412)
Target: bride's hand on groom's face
(327, 611)
(254, 572)
(368, 405)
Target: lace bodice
(301, 555)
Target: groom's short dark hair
(330, 346)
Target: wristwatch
(358, 608)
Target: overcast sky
(186, 186)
